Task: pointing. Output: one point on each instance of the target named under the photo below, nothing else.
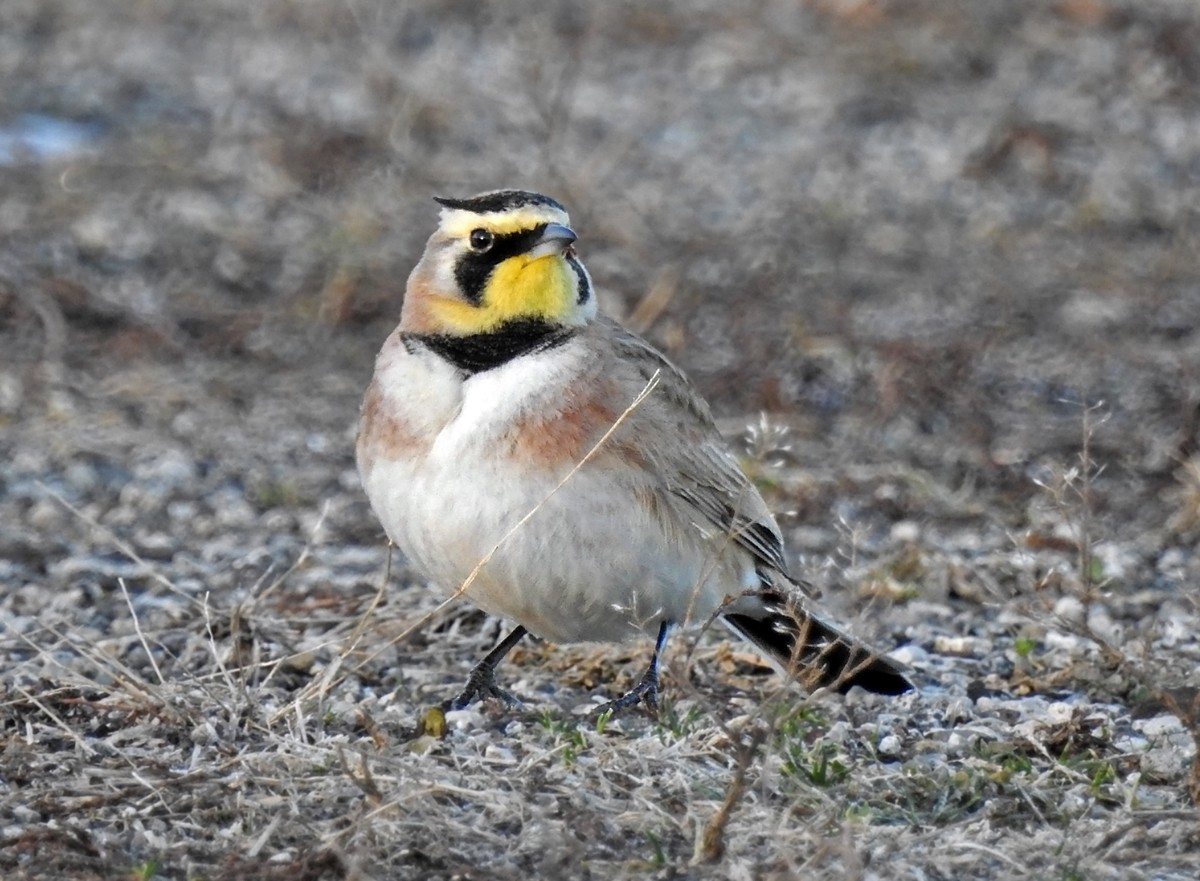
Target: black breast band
(482, 351)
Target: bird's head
(496, 260)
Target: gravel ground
(932, 262)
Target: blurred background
(929, 235)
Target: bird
(533, 455)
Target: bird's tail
(816, 653)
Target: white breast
(590, 564)
(494, 399)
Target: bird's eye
(481, 240)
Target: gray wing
(691, 460)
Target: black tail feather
(816, 653)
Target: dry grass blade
(122, 675)
(137, 624)
(711, 844)
(66, 729)
(123, 546)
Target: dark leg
(646, 691)
(482, 681)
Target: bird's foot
(645, 692)
(481, 685)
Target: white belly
(589, 564)
(585, 566)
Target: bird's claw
(645, 692)
(481, 684)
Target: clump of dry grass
(261, 737)
(1076, 603)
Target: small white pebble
(838, 732)
(1059, 713)
(12, 392)
(1069, 609)
(889, 746)
(1062, 641)
(1158, 726)
(465, 719)
(959, 646)
(1165, 761)
(1171, 559)
(958, 710)
(185, 424)
(910, 655)
(1131, 744)
(1101, 623)
(25, 814)
(1027, 730)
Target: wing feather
(693, 464)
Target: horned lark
(507, 423)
